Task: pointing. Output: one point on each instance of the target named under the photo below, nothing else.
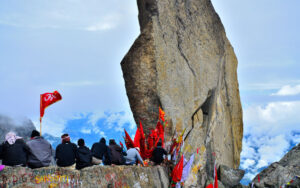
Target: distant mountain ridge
(22, 128)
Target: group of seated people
(37, 153)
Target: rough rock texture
(280, 173)
(97, 176)
(183, 62)
(230, 177)
(22, 128)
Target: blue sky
(76, 46)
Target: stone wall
(96, 176)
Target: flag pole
(41, 126)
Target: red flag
(46, 100)
(150, 140)
(177, 171)
(258, 178)
(142, 131)
(121, 144)
(128, 141)
(210, 186)
(216, 177)
(137, 138)
(161, 133)
(161, 114)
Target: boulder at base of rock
(282, 172)
(230, 177)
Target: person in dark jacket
(117, 154)
(65, 152)
(101, 153)
(40, 151)
(14, 151)
(158, 154)
(83, 155)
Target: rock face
(282, 172)
(22, 128)
(96, 176)
(183, 62)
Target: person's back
(40, 151)
(101, 151)
(132, 156)
(83, 156)
(14, 150)
(158, 153)
(65, 152)
(116, 153)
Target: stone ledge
(96, 176)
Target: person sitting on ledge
(14, 150)
(40, 151)
(83, 155)
(116, 153)
(158, 154)
(101, 153)
(133, 156)
(65, 152)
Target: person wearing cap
(158, 154)
(65, 152)
(14, 151)
(83, 155)
(40, 151)
(133, 156)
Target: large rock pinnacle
(183, 62)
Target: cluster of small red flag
(148, 144)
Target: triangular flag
(177, 171)
(215, 177)
(128, 141)
(187, 168)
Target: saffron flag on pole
(46, 100)
(161, 114)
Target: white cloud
(53, 126)
(86, 131)
(115, 120)
(101, 27)
(107, 23)
(273, 119)
(288, 90)
(247, 163)
(269, 130)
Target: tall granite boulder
(282, 172)
(183, 62)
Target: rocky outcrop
(96, 176)
(22, 128)
(282, 172)
(183, 62)
(230, 177)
